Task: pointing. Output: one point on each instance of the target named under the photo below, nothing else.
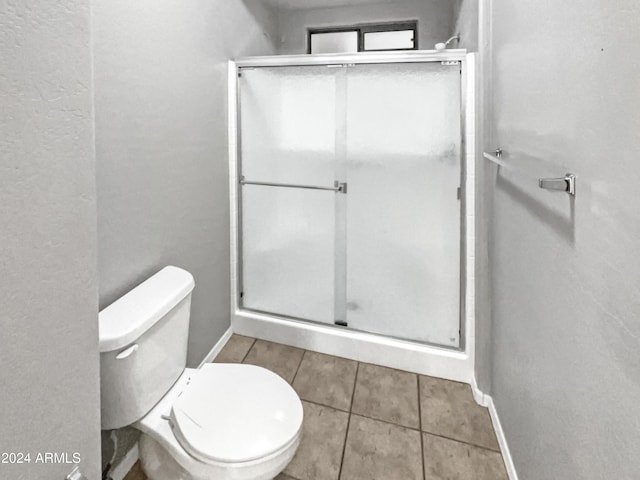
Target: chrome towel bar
(563, 184)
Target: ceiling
(306, 4)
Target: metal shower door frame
(235, 162)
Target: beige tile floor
(366, 422)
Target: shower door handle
(339, 187)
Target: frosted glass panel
(334, 42)
(288, 252)
(287, 239)
(287, 118)
(394, 40)
(403, 214)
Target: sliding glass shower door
(287, 130)
(403, 167)
(349, 197)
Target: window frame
(364, 28)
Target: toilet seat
(231, 413)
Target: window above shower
(364, 38)
(295, 27)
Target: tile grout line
(346, 434)
(315, 402)
(387, 422)
(424, 473)
(461, 441)
(248, 350)
(408, 428)
(304, 352)
(355, 382)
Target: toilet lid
(235, 413)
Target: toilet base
(159, 464)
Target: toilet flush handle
(126, 352)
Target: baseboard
(217, 347)
(480, 398)
(129, 460)
(502, 440)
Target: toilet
(220, 421)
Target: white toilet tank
(143, 345)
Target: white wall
(566, 272)
(435, 21)
(49, 400)
(466, 23)
(161, 86)
(161, 145)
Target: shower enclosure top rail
(450, 55)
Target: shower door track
(438, 360)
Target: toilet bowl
(224, 421)
(221, 421)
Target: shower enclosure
(348, 192)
